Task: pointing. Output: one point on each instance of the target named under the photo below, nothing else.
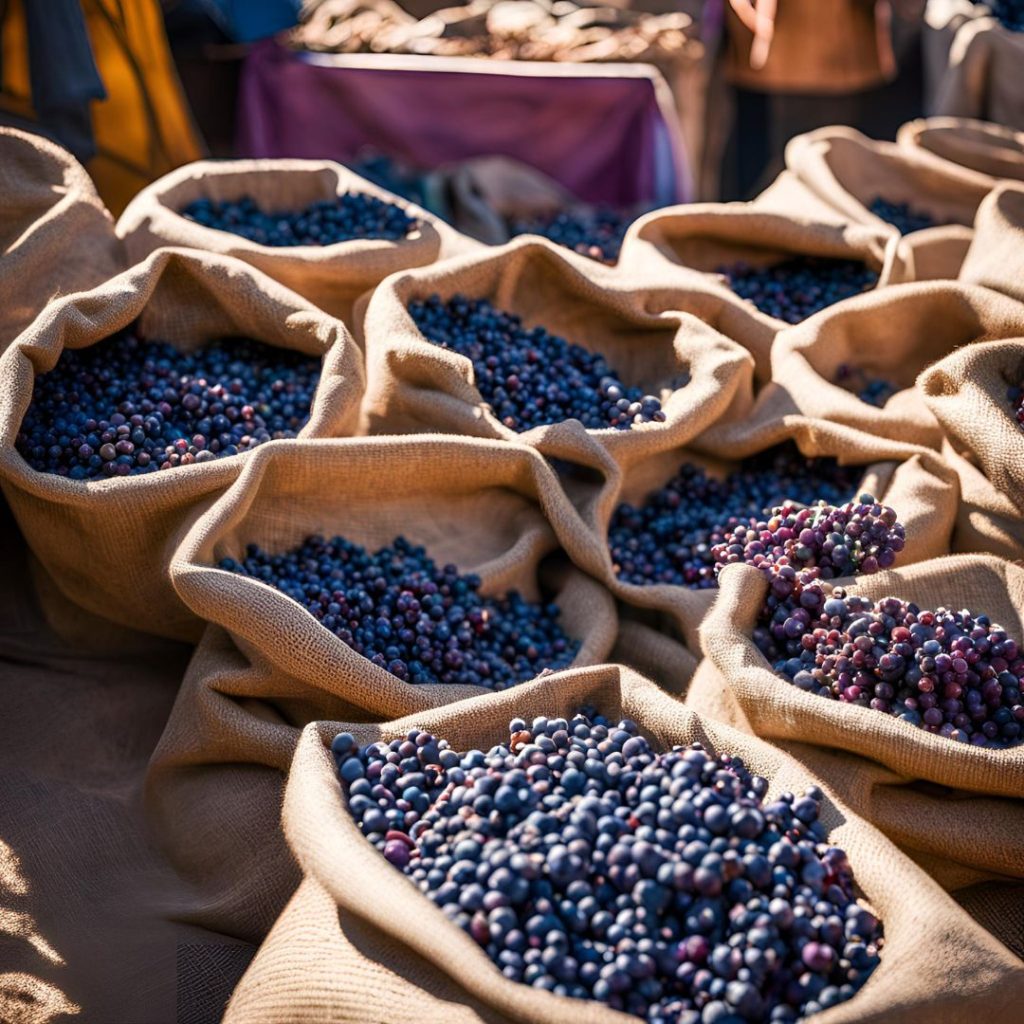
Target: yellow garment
(143, 129)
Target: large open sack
(668, 339)
(107, 543)
(330, 276)
(849, 171)
(889, 336)
(981, 146)
(972, 63)
(914, 480)
(489, 508)
(344, 943)
(56, 236)
(967, 392)
(709, 237)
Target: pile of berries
(528, 376)
(797, 288)
(596, 232)
(325, 222)
(670, 537)
(421, 623)
(393, 176)
(902, 216)
(586, 864)
(126, 406)
(875, 391)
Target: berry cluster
(1010, 13)
(875, 391)
(671, 536)
(325, 222)
(596, 232)
(588, 865)
(902, 216)
(393, 176)
(953, 673)
(1015, 396)
(861, 536)
(125, 406)
(796, 288)
(421, 623)
(528, 376)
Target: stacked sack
(634, 641)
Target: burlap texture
(107, 543)
(981, 146)
(655, 334)
(894, 335)
(972, 64)
(912, 479)
(358, 942)
(330, 276)
(705, 237)
(849, 170)
(777, 710)
(967, 392)
(490, 508)
(996, 256)
(56, 236)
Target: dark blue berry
(596, 232)
(873, 390)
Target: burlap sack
(706, 237)
(330, 276)
(56, 236)
(490, 508)
(849, 171)
(107, 543)
(655, 334)
(996, 256)
(778, 710)
(981, 146)
(967, 392)
(893, 335)
(972, 64)
(358, 942)
(912, 479)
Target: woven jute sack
(709, 237)
(967, 392)
(849, 171)
(344, 949)
(972, 63)
(912, 479)
(982, 146)
(960, 837)
(56, 236)
(107, 543)
(890, 335)
(330, 276)
(672, 342)
(489, 508)
(777, 710)
(996, 256)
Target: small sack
(344, 950)
(849, 171)
(708, 237)
(981, 146)
(56, 236)
(996, 256)
(967, 392)
(330, 276)
(107, 543)
(890, 336)
(778, 710)
(972, 64)
(489, 508)
(668, 340)
(913, 480)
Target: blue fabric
(246, 21)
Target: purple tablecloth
(607, 132)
